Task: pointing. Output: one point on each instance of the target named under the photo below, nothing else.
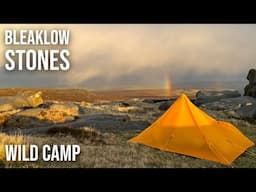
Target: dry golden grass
(111, 150)
(8, 140)
(115, 152)
(81, 134)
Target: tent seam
(204, 137)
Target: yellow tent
(185, 129)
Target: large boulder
(211, 96)
(250, 89)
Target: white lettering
(11, 65)
(8, 37)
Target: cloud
(144, 56)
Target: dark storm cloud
(145, 56)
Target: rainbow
(169, 87)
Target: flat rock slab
(67, 108)
(211, 96)
(230, 103)
(108, 122)
(100, 122)
(165, 105)
(35, 112)
(243, 107)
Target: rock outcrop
(250, 89)
(21, 100)
(27, 110)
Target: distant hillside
(143, 94)
(55, 94)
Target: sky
(144, 56)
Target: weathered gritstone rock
(46, 115)
(165, 105)
(247, 111)
(21, 100)
(84, 104)
(243, 107)
(101, 122)
(230, 103)
(23, 122)
(250, 89)
(106, 117)
(232, 114)
(5, 115)
(38, 117)
(127, 109)
(67, 108)
(211, 96)
(36, 113)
